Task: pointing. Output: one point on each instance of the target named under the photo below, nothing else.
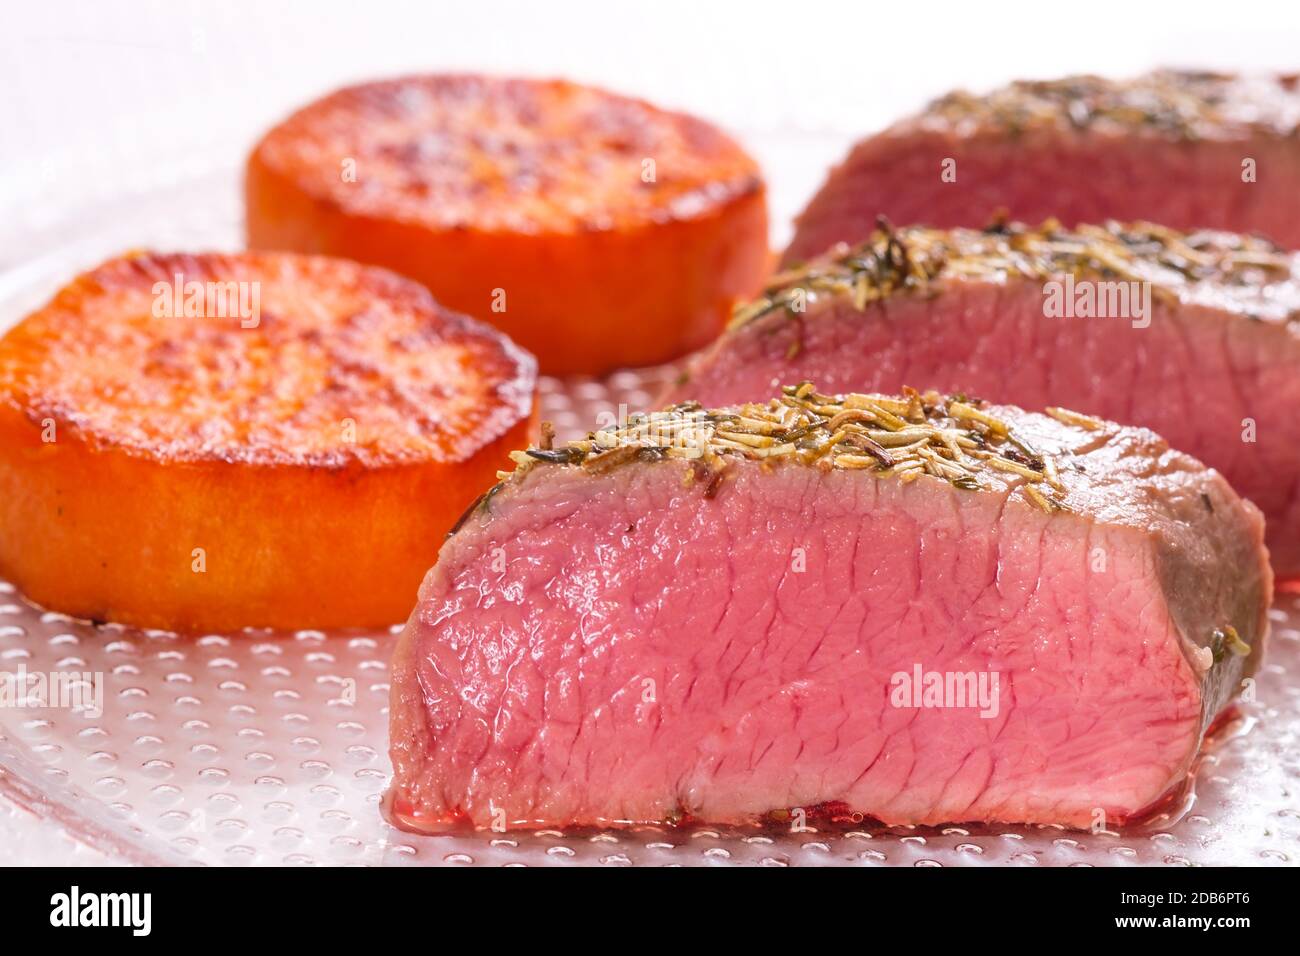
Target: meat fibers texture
(632, 636)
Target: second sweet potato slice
(596, 230)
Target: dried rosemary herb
(1177, 104)
(912, 260)
(1225, 640)
(893, 436)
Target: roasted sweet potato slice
(210, 442)
(596, 230)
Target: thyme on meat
(905, 260)
(1172, 103)
(481, 503)
(953, 438)
(1226, 640)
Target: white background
(112, 91)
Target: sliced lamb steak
(716, 615)
(1214, 368)
(1168, 147)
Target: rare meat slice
(1189, 150)
(1038, 316)
(916, 608)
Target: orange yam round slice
(209, 442)
(597, 231)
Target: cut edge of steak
(714, 614)
(1082, 149)
(1213, 365)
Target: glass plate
(244, 748)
